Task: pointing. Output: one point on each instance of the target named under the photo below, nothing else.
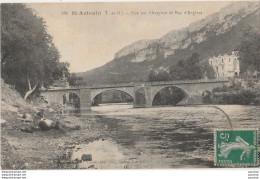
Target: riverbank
(41, 149)
(45, 149)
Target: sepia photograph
(130, 85)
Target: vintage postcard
(130, 85)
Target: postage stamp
(236, 147)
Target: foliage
(28, 56)
(220, 89)
(74, 80)
(234, 94)
(244, 97)
(189, 69)
(209, 71)
(158, 76)
(249, 50)
(177, 73)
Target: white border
(216, 173)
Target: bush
(244, 97)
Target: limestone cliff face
(216, 34)
(195, 33)
(134, 47)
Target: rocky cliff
(218, 33)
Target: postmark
(236, 147)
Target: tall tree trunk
(29, 82)
(30, 91)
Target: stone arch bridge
(142, 93)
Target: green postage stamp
(236, 147)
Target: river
(163, 137)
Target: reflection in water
(72, 112)
(102, 152)
(171, 137)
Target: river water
(163, 137)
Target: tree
(74, 80)
(189, 69)
(29, 57)
(193, 68)
(177, 73)
(158, 76)
(209, 71)
(249, 50)
(152, 76)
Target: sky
(90, 39)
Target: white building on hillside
(226, 65)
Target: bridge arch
(127, 91)
(70, 98)
(206, 92)
(157, 89)
(62, 93)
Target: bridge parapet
(132, 84)
(189, 81)
(142, 93)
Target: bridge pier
(85, 99)
(142, 96)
